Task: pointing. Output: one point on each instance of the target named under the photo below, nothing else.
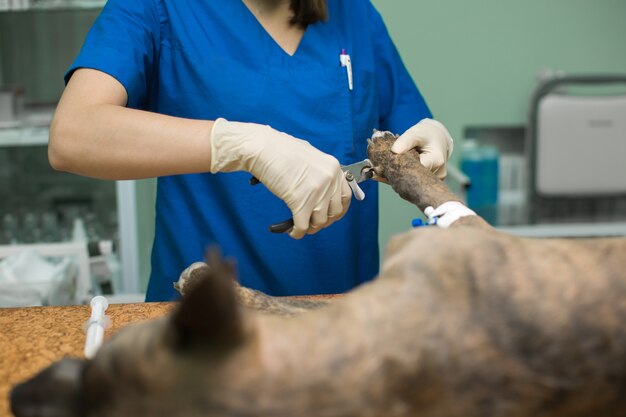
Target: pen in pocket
(345, 61)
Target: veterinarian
(206, 94)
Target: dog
(462, 321)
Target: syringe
(94, 327)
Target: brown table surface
(31, 338)
(34, 337)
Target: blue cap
(418, 223)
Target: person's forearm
(113, 142)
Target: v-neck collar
(269, 38)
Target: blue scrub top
(209, 59)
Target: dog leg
(409, 178)
(284, 306)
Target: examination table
(32, 338)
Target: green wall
(476, 61)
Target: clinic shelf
(30, 5)
(31, 130)
(24, 136)
(572, 230)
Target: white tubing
(96, 325)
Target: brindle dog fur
(464, 321)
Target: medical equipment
(95, 326)
(577, 144)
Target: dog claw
(378, 134)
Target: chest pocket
(364, 110)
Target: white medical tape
(447, 213)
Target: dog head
(160, 367)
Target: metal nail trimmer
(354, 174)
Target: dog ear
(55, 391)
(208, 314)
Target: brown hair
(307, 12)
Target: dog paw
(190, 276)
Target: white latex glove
(433, 142)
(309, 181)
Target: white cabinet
(38, 41)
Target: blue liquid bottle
(480, 164)
(491, 167)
